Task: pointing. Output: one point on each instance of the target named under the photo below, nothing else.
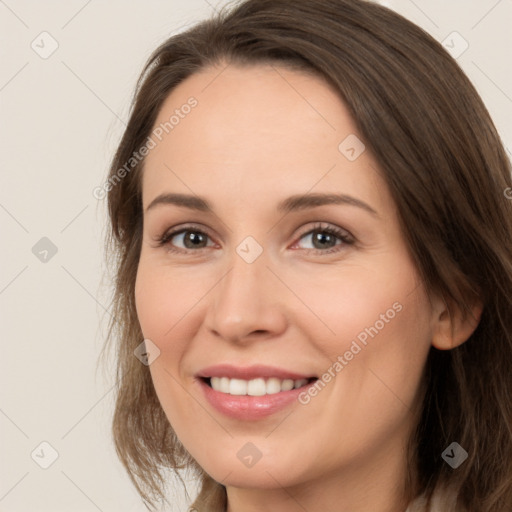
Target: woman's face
(297, 270)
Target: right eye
(189, 238)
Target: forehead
(253, 128)
(260, 101)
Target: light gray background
(61, 117)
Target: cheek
(165, 307)
(165, 300)
(374, 328)
(362, 303)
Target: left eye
(326, 238)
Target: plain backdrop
(67, 75)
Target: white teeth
(224, 385)
(273, 386)
(255, 387)
(287, 384)
(237, 387)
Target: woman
(311, 233)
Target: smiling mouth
(255, 387)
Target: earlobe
(452, 327)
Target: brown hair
(447, 171)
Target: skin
(258, 135)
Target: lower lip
(245, 407)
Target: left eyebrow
(302, 202)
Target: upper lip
(250, 372)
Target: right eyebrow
(185, 200)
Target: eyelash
(165, 238)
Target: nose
(247, 304)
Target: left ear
(451, 325)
